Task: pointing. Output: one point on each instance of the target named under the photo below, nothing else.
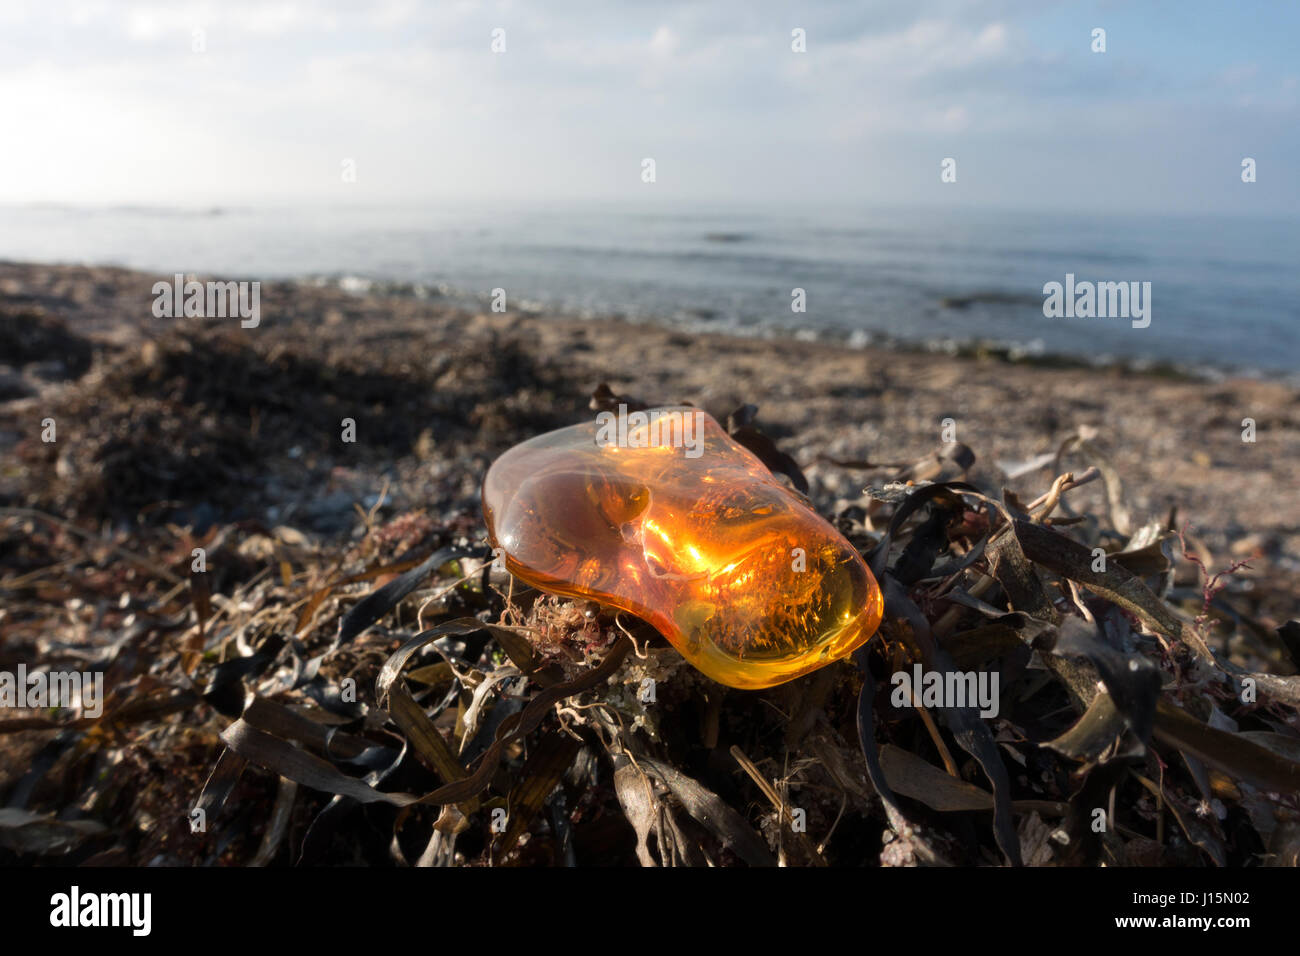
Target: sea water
(1224, 292)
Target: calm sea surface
(1225, 293)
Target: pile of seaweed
(199, 423)
(279, 696)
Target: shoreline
(970, 347)
(1028, 351)
(487, 380)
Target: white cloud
(112, 104)
(664, 42)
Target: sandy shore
(438, 390)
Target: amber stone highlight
(675, 522)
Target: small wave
(989, 297)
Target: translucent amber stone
(686, 529)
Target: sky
(262, 102)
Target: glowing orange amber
(673, 521)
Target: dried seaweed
(365, 687)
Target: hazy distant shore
(438, 389)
